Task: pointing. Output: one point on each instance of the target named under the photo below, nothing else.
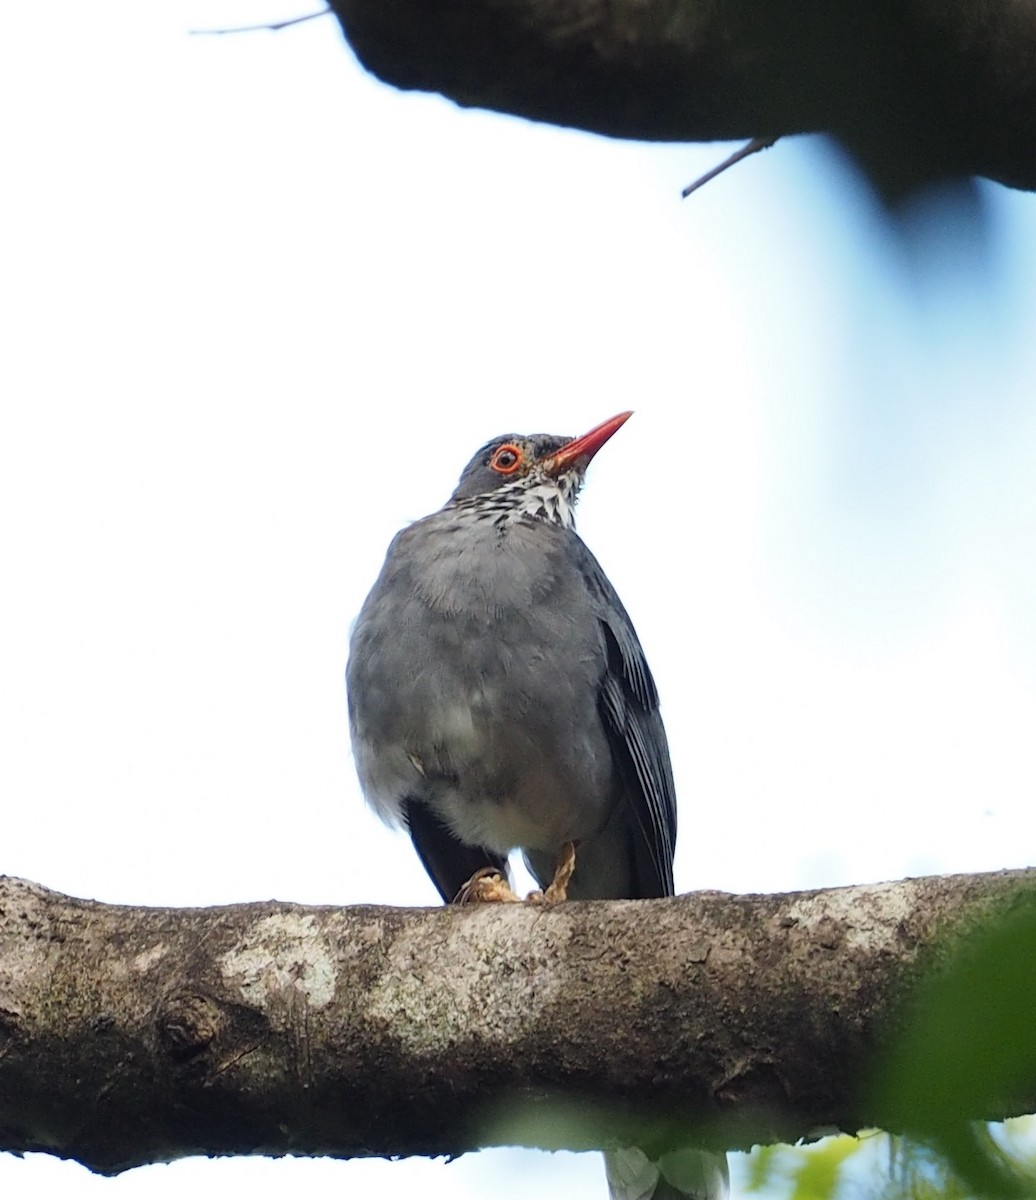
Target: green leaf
(968, 1050)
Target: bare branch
(133, 1035)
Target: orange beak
(585, 447)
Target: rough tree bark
(134, 1035)
(915, 89)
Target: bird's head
(538, 475)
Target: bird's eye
(506, 459)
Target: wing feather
(628, 706)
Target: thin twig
(748, 148)
(274, 27)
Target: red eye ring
(506, 459)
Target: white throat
(541, 498)
(548, 499)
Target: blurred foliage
(965, 1047)
(803, 1172)
(880, 1166)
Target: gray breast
(473, 677)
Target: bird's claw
(487, 886)
(557, 890)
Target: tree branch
(915, 89)
(134, 1035)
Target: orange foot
(486, 886)
(557, 889)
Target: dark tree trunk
(917, 90)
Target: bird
(499, 700)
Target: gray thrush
(499, 699)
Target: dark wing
(628, 705)
(449, 862)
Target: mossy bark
(135, 1035)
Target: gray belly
(488, 713)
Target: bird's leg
(557, 889)
(486, 886)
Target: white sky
(257, 312)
